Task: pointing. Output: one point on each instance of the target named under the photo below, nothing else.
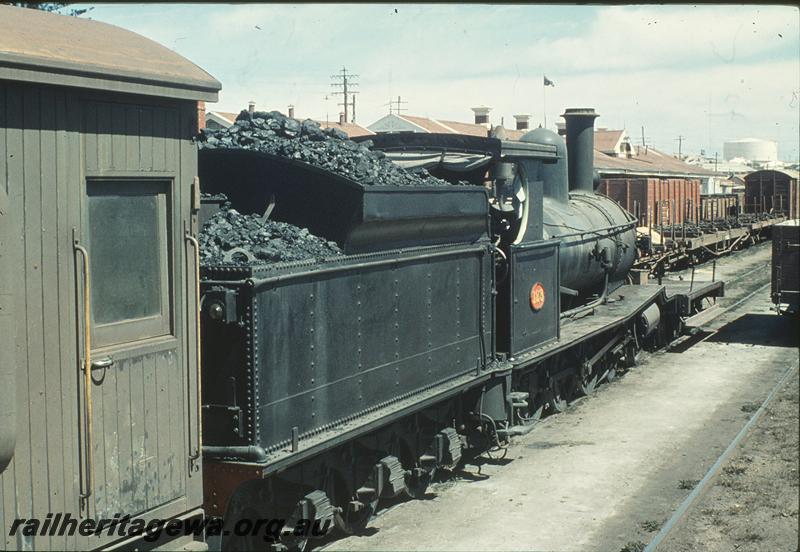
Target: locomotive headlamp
(220, 304)
(216, 311)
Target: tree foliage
(51, 7)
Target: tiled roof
(351, 129)
(470, 129)
(607, 140)
(442, 126)
(427, 124)
(514, 134)
(226, 115)
(646, 161)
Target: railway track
(714, 471)
(742, 294)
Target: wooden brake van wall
(114, 172)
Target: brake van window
(129, 260)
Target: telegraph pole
(399, 102)
(344, 82)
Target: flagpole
(544, 102)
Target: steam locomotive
(457, 317)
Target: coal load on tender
(231, 238)
(329, 149)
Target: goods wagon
(772, 191)
(655, 201)
(786, 265)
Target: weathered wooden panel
(50, 139)
(130, 138)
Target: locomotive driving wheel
(560, 391)
(588, 382)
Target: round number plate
(537, 296)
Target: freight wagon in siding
(786, 266)
(772, 191)
(655, 201)
(98, 325)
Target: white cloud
(627, 38)
(657, 66)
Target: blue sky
(708, 73)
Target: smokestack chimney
(580, 148)
(482, 115)
(201, 115)
(523, 121)
(291, 112)
(341, 117)
(251, 106)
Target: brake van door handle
(102, 363)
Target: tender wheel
(247, 540)
(354, 516)
(417, 481)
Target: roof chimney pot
(482, 115)
(291, 112)
(523, 121)
(341, 117)
(251, 106)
